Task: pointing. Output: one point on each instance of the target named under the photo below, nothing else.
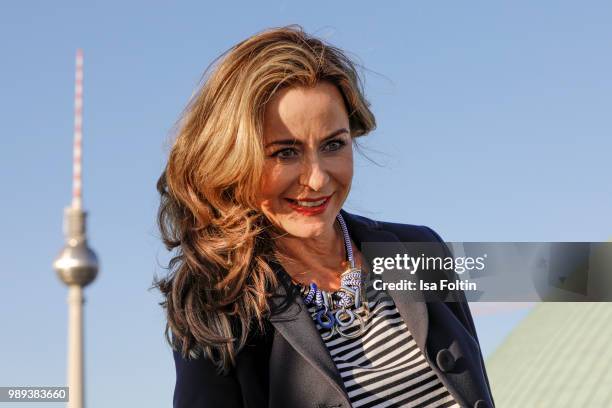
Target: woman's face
(309, 159)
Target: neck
(324, 252)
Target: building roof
(560, 355)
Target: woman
(269, 300)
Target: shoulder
(411, 232)
(405, 232)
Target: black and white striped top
(384, 367)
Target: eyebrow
(299, 142)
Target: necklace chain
(347, 240)
(334, 311)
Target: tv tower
(76, 264)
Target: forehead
(303, 112)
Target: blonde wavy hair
(220, 280)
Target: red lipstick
(309, 210)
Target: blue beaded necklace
(337, 311)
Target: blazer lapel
(410, 304)
(291, 319)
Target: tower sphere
(76, 264)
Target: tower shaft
(76, 362)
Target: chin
(305, 228)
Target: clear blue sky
(494, 124)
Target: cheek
(343, 169)
(274, 182)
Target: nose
(313, 174)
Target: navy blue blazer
(289, 366)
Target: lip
(310, 210)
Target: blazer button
(482, 404)
(445, 360)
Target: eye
(334, 145)
(284, 154)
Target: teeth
(311, 203)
